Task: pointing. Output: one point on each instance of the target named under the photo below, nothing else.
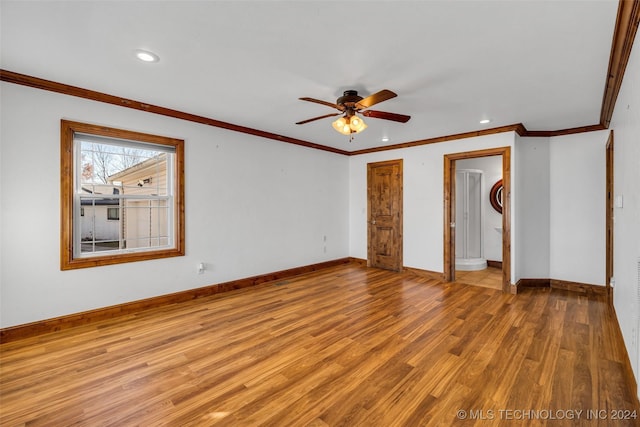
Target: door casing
(609, 218)
(450, 214)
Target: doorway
(384, 207)
(450, 211)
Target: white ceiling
(452, 63)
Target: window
(113, 214)
(121, 196)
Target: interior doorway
(450, 225)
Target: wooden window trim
(67, 260)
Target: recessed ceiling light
(485, 121)
(146, 56)
(385, 139)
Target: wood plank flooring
(344, 346)
(490, 277)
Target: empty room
(319, 213)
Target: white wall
(557, 204)
(423, 197)
(533, 186)
(492, 172)
(253, 206)
(577, 207)
(626, 126)
(560, 182)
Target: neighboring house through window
(122, 196)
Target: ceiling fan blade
(376, 98)
(318, 118)
(386, 116)
(319, 101)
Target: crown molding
(518, 128)
(624, 33)
(560, 132)
(38, 83)
(626, 26)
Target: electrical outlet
(201, 268)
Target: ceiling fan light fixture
(357, 125)
(350, 104)
(342, 126)
(348, 125)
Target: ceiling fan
(349, 104)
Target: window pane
(87, 222)
(110, 176)
(145, 223)
(110, 169)
(96, 232)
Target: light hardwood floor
(344, 346)
(490, 277)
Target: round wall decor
(495, 196)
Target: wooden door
(384, 202)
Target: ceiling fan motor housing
(349, 99)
